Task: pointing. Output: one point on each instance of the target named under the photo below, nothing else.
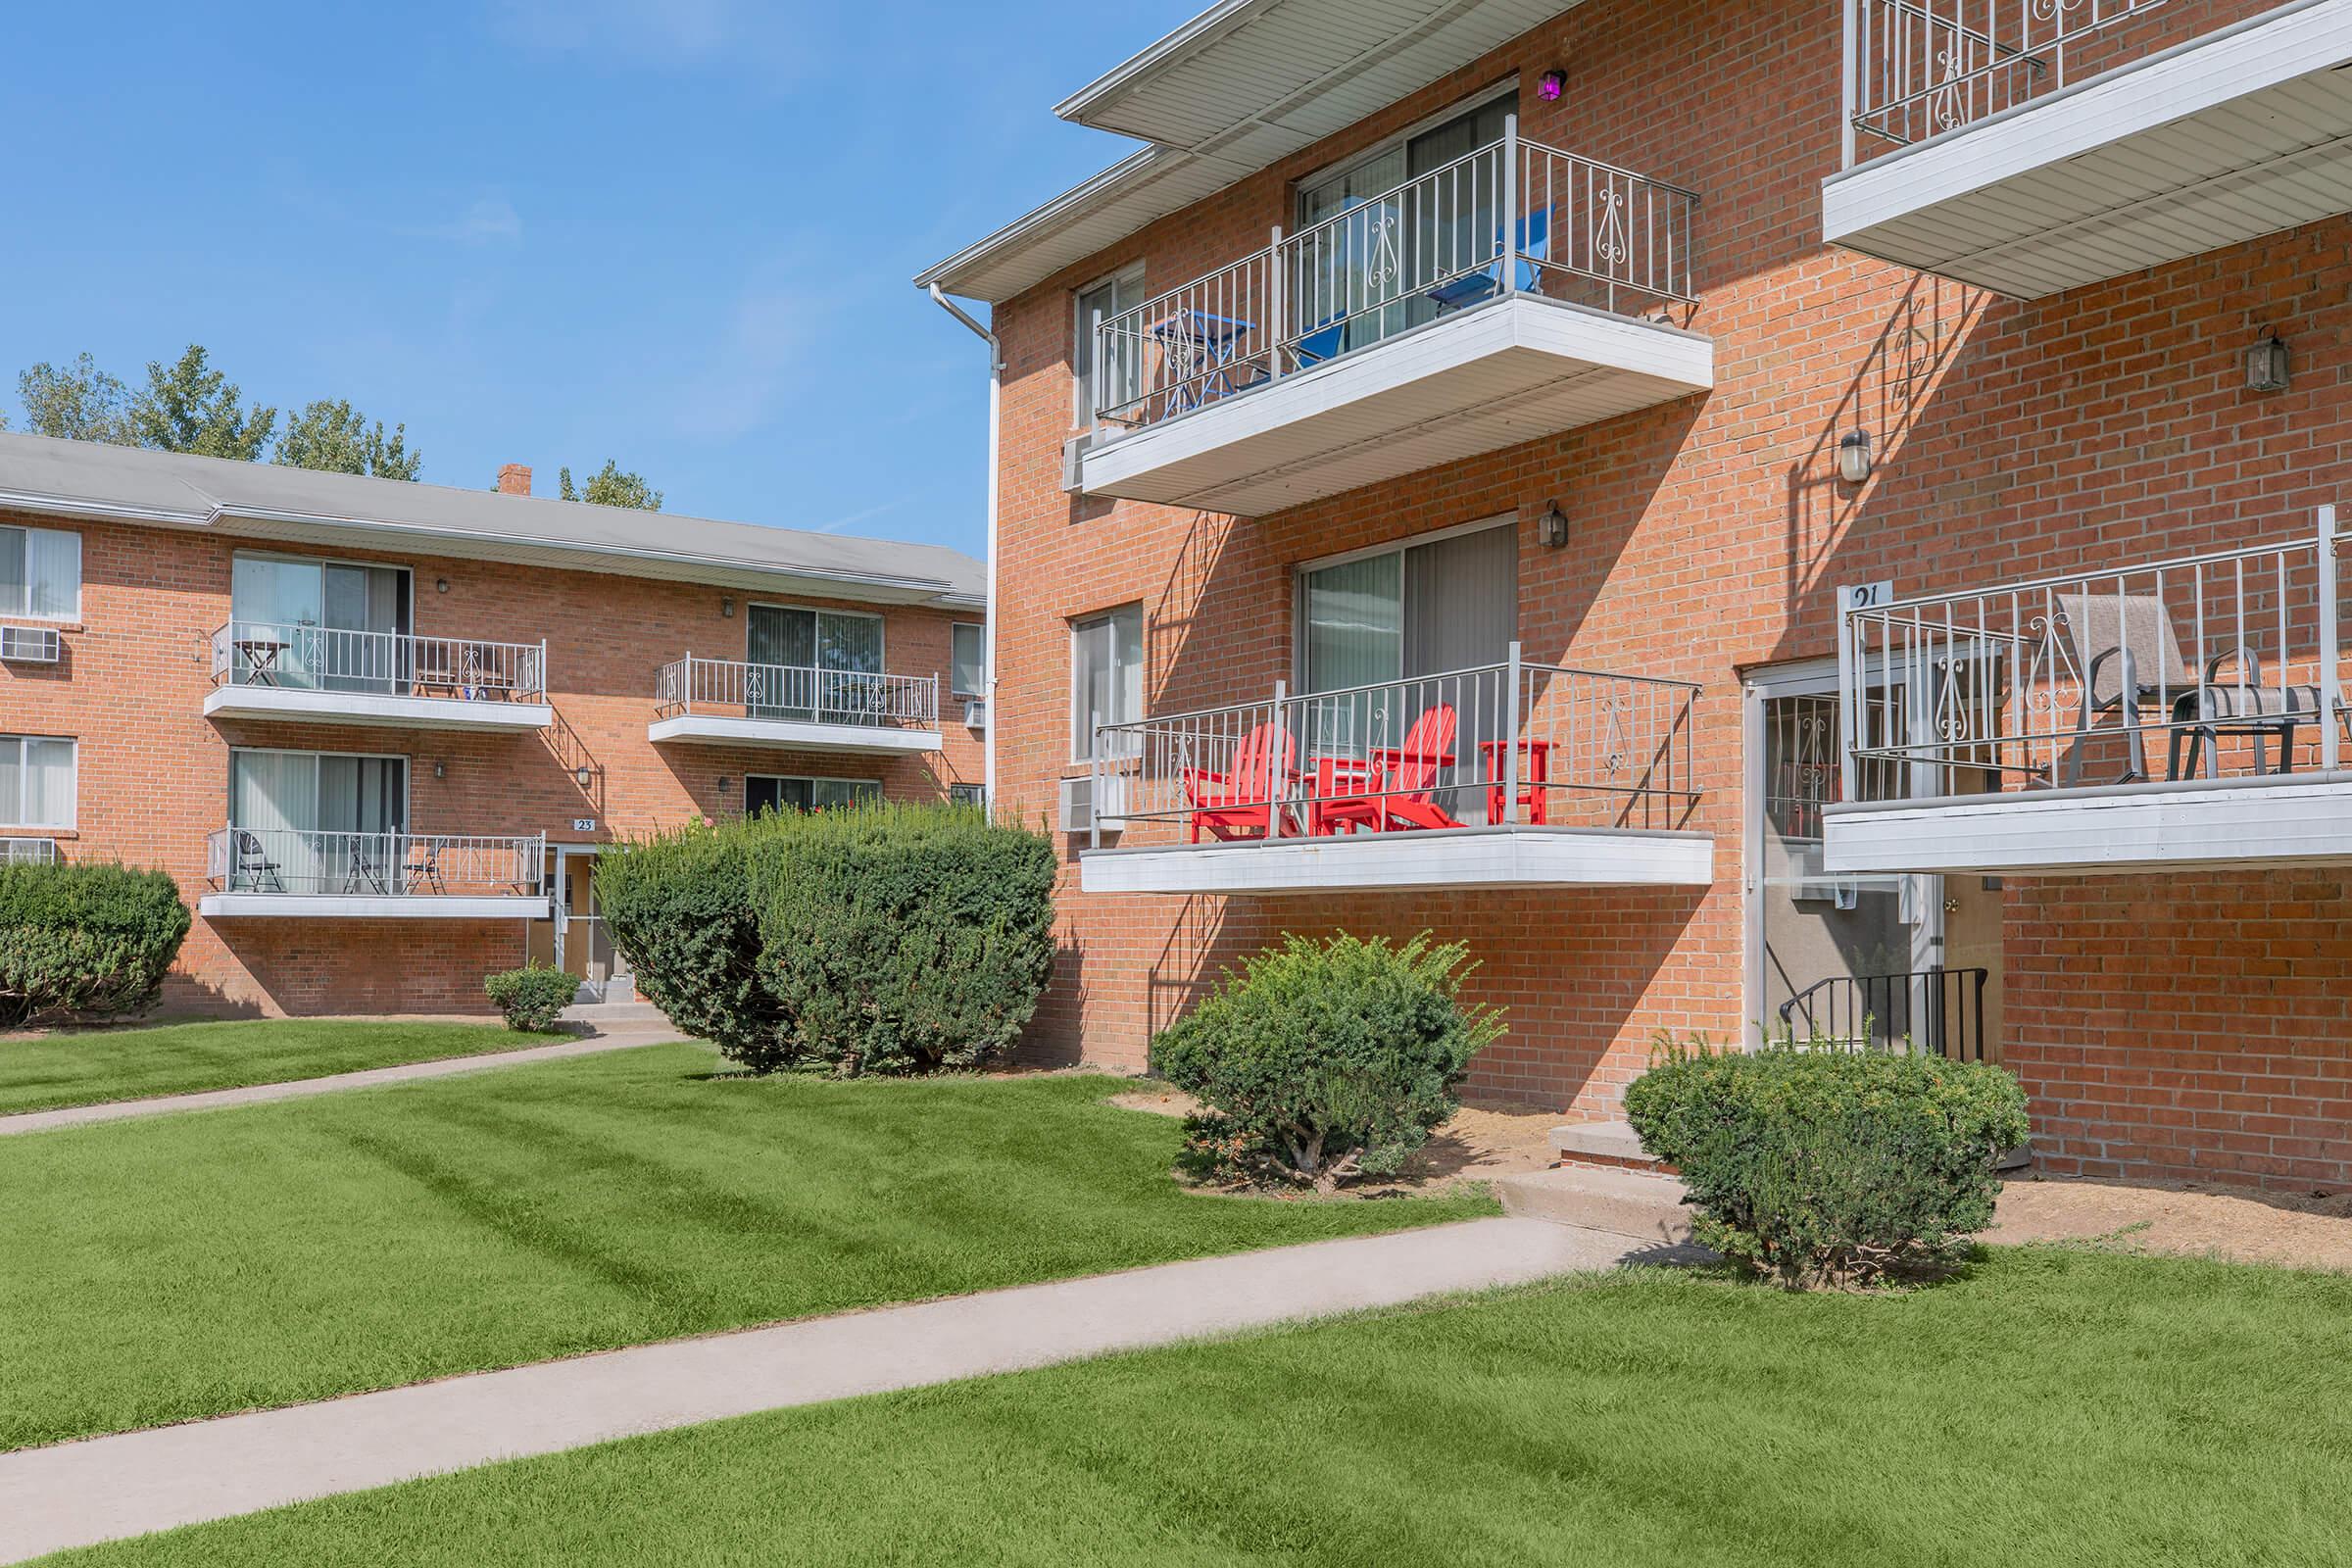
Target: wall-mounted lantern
(583, 775)
(1853, 457)
(1551, 528)
(2265, 366)
(1551, 85)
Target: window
(771, 793)
(1113, 297)
(1107, 675)
(40, 573)
(36, 781)
(971, 660)
(816, 666)
(967, 795)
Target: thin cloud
(488, 220)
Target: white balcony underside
(783, 734)
(1475, 857)
(370, 907)
(2228, 138)
(1476, 381)
(306, 705)
(2304, 819)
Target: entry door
(1848, 957)
(1971, 941)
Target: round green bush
(84, 941)
(533, 996)
(882, 939)
(1824, 1165)
(1322, 1061)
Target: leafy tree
(78, 403)
(333, 437)
(611, 486)
(189, 407)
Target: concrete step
(1612, 1142)
(1624, 1203)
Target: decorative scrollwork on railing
(1608, 229)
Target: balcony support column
(1509, 195)
(1274, 780)
(2332, 656)
(1510, 740)
(1274, 332)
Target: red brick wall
(2108, 424)
(154, 771)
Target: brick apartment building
(379, 732)
(1436, 469)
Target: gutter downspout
(987, 641)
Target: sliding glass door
(1375, 266)
(813, 666)
(316, 822)
(320, 623)
(1388, 636)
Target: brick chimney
(515, 480)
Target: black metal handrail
(1940, 1010)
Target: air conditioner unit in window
(1079, 808)
(30, 644)
(1071, 452)
(39, 851)
(975, 713)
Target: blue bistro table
(1197, 348)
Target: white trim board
(1479, 857)
(2295, 820)
(2242, 132)
(375, 710)
(371, 907)
(710, 730)
(1478, 380)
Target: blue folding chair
(1476, 288)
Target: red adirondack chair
(1396, 784)
(1241, 805)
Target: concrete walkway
(105, 1488)
(619, 1037)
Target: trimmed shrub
(904, 938)
(888, 939)
(1826, 1165)
(84, 941)
(1322, 1061)
(533, 996)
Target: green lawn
(92, 1066)
(188, 1266)
(2055, 1407)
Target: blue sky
(677, 232)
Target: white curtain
(53, 572)
(36, 782)
(274, 797)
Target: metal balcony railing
(1496, 747)
(2184, 672)
(299, 657)
(1915, 69)
(301, 860)
(731, 689)
(1513, 218)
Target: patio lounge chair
(1241, 805)
(2129, 655)
(1391, 790)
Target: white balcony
(2175, 715)
(714, 702)
(321, 674)
(2029, 149)
(1460, 314)
(1403, 786)
(297, 873)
